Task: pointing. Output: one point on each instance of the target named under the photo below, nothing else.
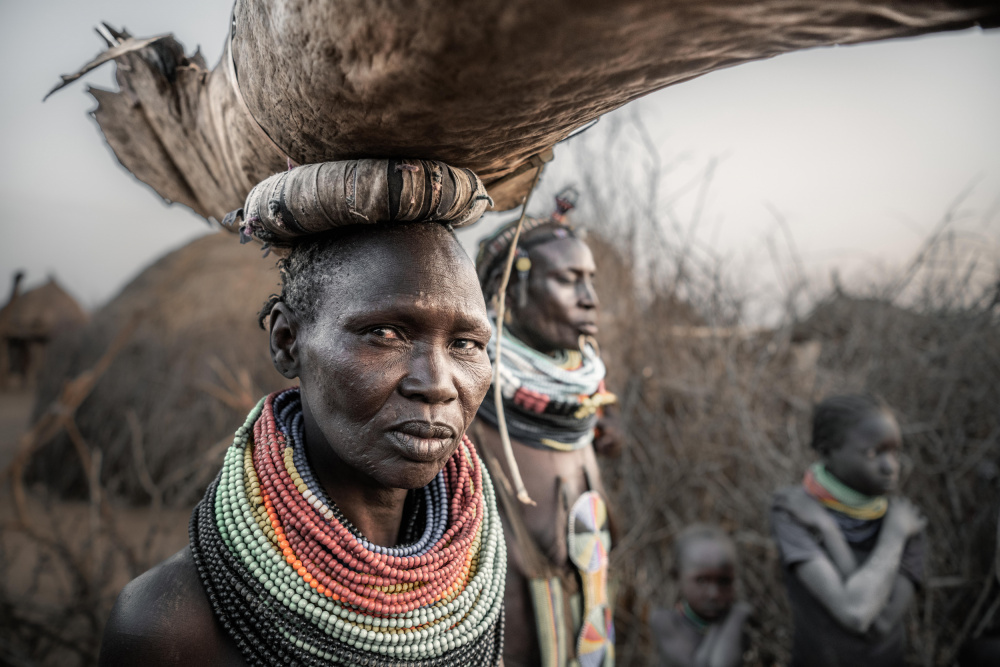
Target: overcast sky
(861, 148)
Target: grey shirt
(819, 641)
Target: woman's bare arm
(855, 601)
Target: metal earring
(523, 266)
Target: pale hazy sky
(861, 148)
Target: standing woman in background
(554, 398)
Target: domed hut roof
(192, 368)
(40, 313)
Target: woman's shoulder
(163, 617)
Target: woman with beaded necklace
(352, 521)
(553, 400)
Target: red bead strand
(331, 559)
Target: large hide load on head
(486, 85)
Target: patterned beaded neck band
(700, 625)
(292, 582)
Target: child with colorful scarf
(705, 628)
(852, 555)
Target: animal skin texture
(483, 85)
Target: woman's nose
(588, 295)
(430, 378)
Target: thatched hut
(28, 323)
(193, 366)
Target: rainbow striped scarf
(836, 495)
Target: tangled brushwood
(718, 418)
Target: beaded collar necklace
(432, 499)
(700, 624)
(836, 495)
(549, 402)
(292, 582)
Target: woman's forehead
(568, 253)
(453, 308)
(405, 281)
(874, 427)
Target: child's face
(868, 460)
(707, 575)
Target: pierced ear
(284, 340)
(523, 266)
(515, 299)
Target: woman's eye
(466, 344)
(564, 279)
(387, 332)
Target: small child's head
(859, 440)
(705, 567)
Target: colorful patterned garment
(292, 582)
(858, 516)
(589, 546)
(549, 402)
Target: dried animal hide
(317, 197)
(482, 85)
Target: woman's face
(868, 459)
(561, 304)
(394, 366)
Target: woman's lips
(423, 441)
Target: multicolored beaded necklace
(549, 402)
(836, 495)
(292, 582)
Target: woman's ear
(284, 340)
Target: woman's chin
(411, 474)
